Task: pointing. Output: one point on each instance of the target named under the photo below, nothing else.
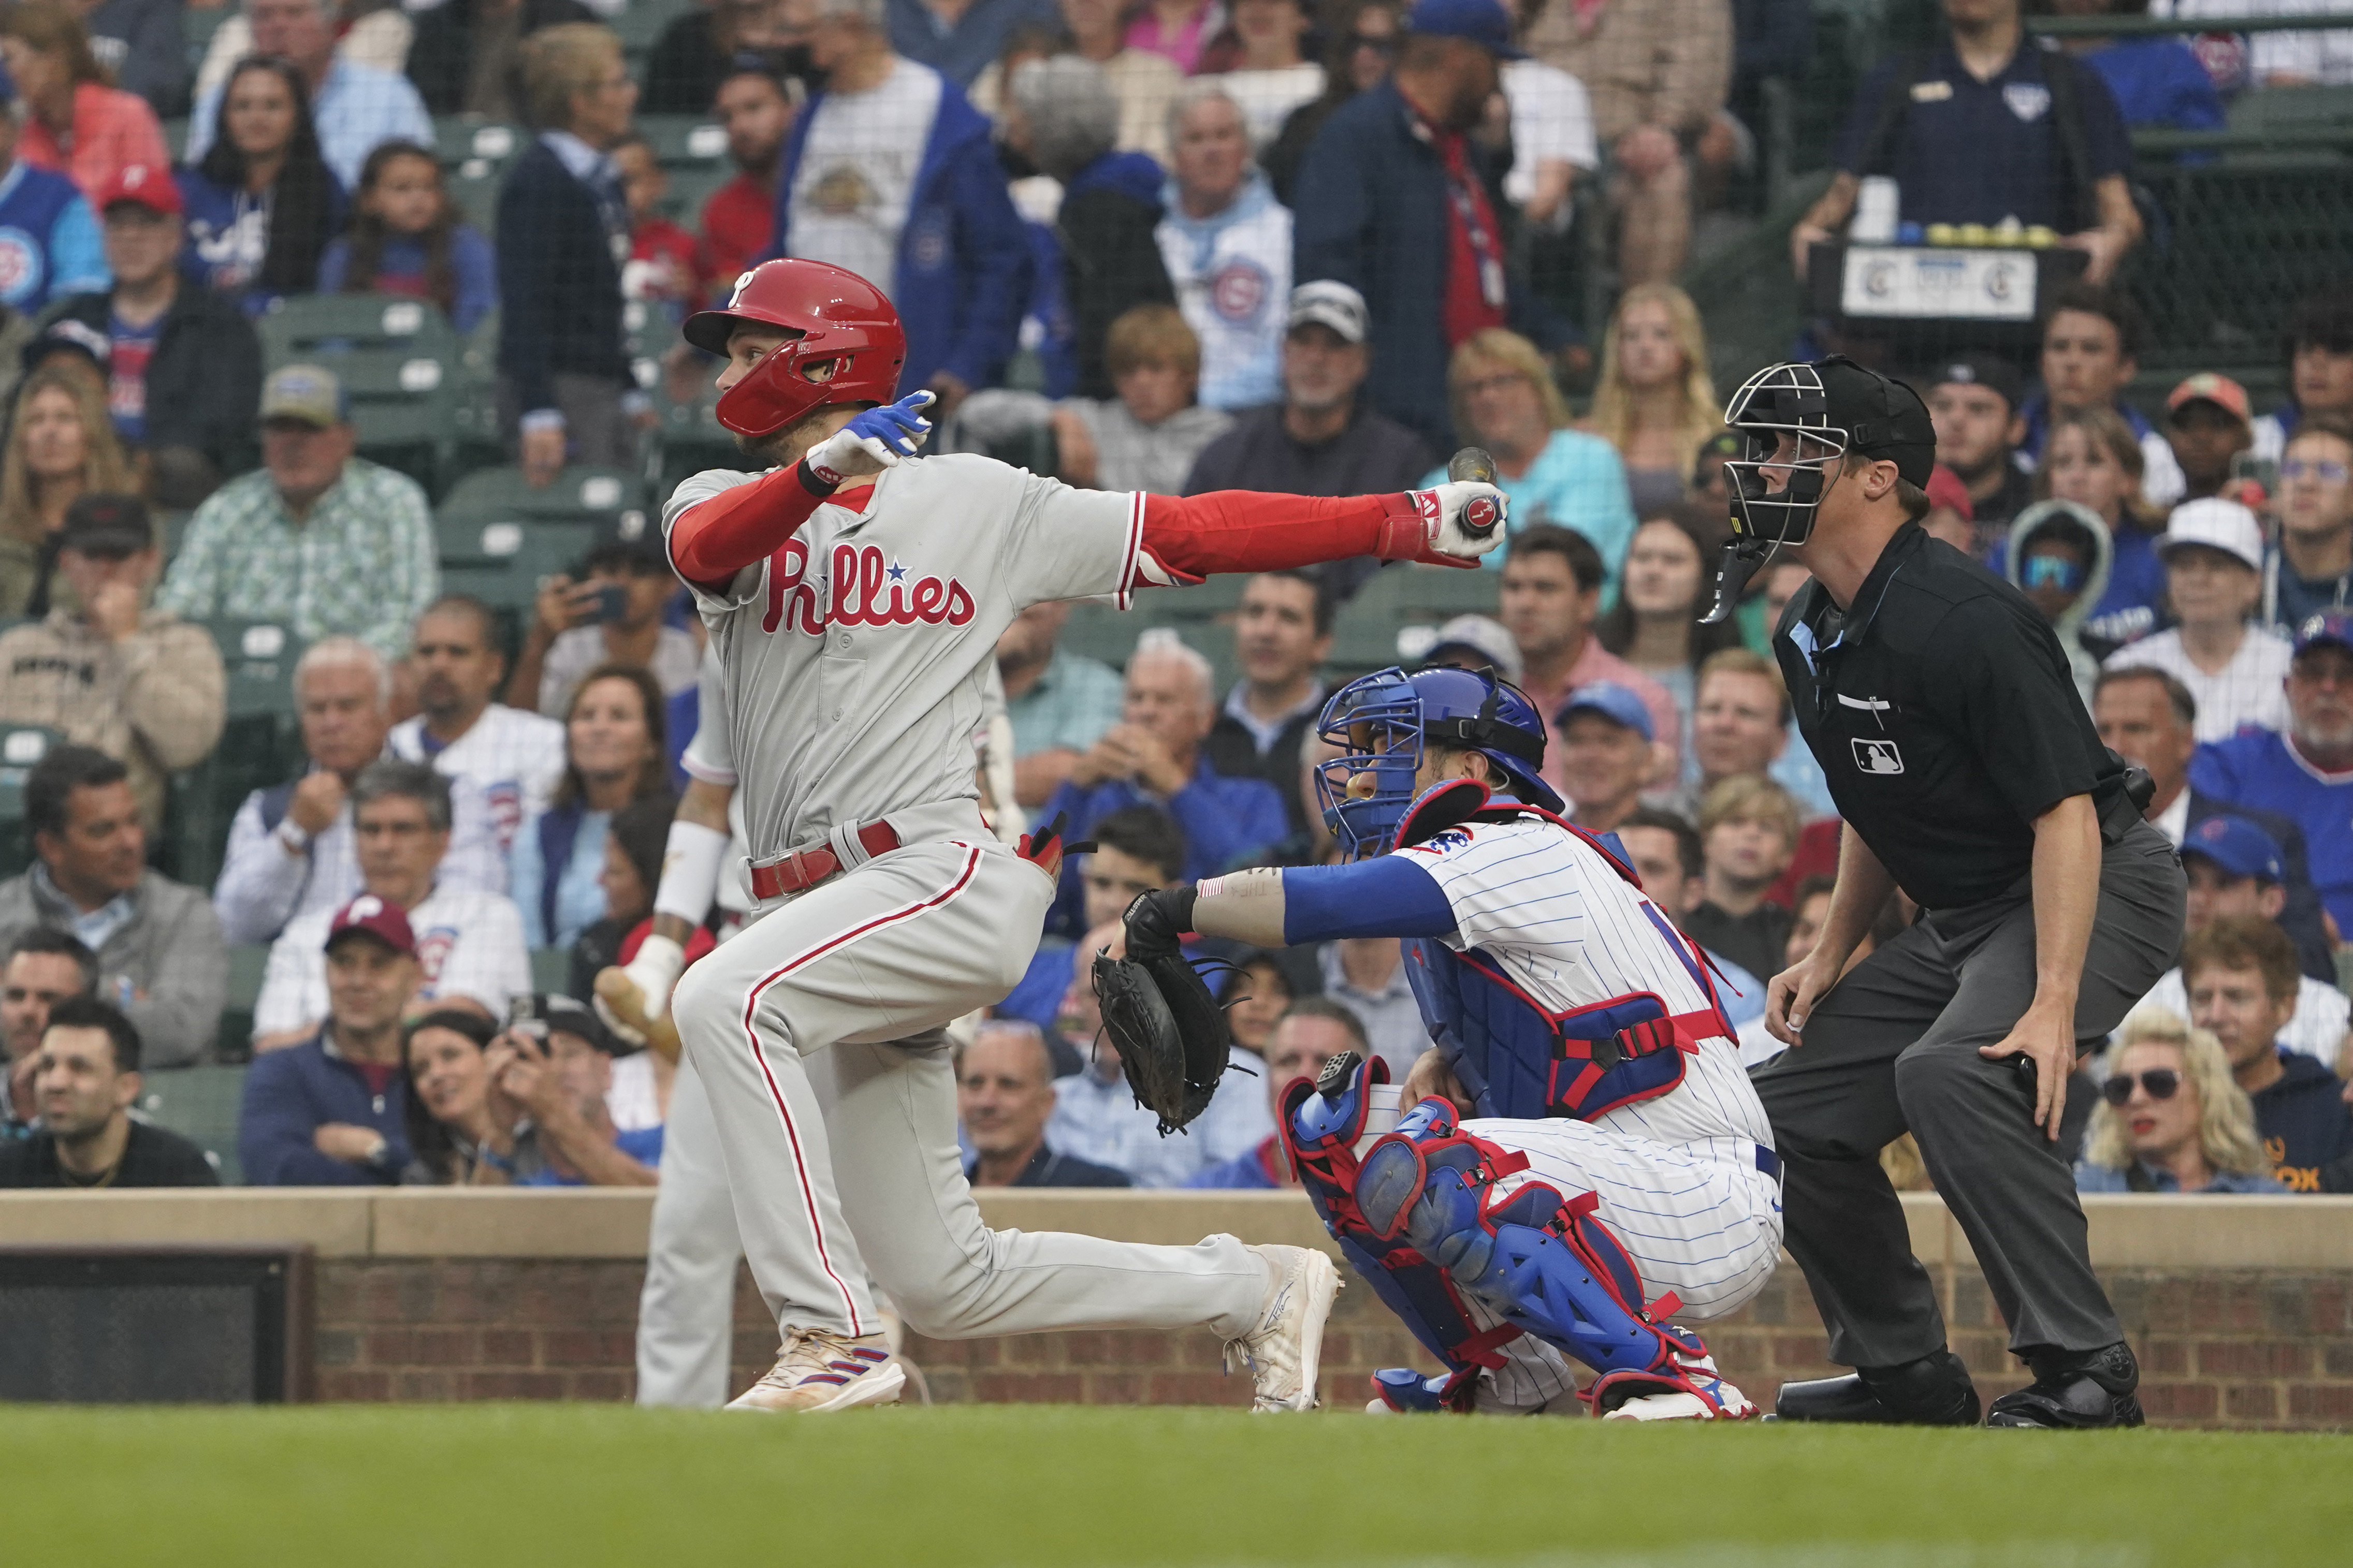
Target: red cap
(1945, 489)
(381, 920)
(149, 184)
(2219, 390)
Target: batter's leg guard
(1544, 1263)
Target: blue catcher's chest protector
(1519, 1061)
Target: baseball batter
(1586, 1158)
(855, 598)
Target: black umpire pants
(1893, 1047)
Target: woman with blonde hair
(1655, 404)
(1502, 398)
(2094, 459)
(61, 446)
(2170, 1118)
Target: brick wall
(2244, 1348)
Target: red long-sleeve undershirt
(1189, 538)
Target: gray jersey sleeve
(1067, 543)
(700, 488)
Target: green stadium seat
(260, 745)
(202, 1104)
(502, 560)
(464, 142)
(551, 970)
(21, 747)
(684, 140)
(398, 359)
(605, 497)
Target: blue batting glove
(900, 425)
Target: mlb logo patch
(1877, 757)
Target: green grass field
(492, 1485)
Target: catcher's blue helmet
(1381, 723)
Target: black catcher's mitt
(1170, 1032)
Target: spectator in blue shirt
(1311, 1032)
(408, 237)
(1155, 757)
(2305, 773)
(2170, 1119)
(960, 41)
(1503, 398)
(354, 106)
(262, 205)
(2156, 80)
(614, 755)
(49, 245)
(331, 1111)
(1986, 127)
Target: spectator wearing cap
(1748, 831)
(1282, 635)
(291, 853)
(2242, 979)
(615, 754)
(467, 944)
(2150, 720)
(86, 1079)
(1605, 753)
(2237, 872)
(613, 614)
(1225, 243)
(354, 106)
(1324, 439)
(76, 121)
(1391, 201)
(1551, 593)
(48, 237)
(563, 231)
(547, 1121)
(104, 669)
(947, 245)
(1988, 126)
(2092, 339)
(1475, 642)
(182, 366)
(2317, 345)
(1504, 399)
(2311, 564)
(754, 105)
(2304, 772)
(329, 1109)
(321, 542)
(1974, 401)
(2059, 555)
(2213, 556)
(160, 954)
(2207, 423)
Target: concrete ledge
(2150, 1231)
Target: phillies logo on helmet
(1479, 514)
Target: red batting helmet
(851, 349)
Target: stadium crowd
(1178, 246)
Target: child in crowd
(661, 254)
(2058, 557)
(2094, 459)
(406, 237)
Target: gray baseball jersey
(856, 655)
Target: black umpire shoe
(2075, 1390)
(1934, 1390)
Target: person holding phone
(611, 613)
(546, 1122)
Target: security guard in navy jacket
(1944, 716)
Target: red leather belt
(802, 869)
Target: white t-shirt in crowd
(500, 773)
(468, 944)
(1552, 122)
(2247, 690)
(857, 175)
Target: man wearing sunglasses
(2311, 567)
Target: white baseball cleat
(825, 1370)
(1285, 1350)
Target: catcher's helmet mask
(1384, 723)
(1798, 422)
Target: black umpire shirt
(1944, 717)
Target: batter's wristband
(819, 481)
(689, 876)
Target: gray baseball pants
(1894, 1047)
(871, 964)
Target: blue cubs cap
(2329, 627)
(1612, 701)
(1481, 21)
(2237, 846)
